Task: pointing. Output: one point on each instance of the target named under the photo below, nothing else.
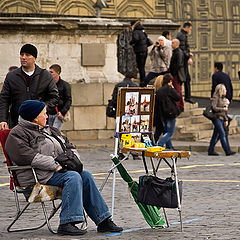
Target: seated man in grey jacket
(34, 143)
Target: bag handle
(61, 143)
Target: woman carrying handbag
(220, 105)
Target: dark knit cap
(30, 109)
(30, 49)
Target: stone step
(189, 106)
(192, 120)
(191, 112)
(195, 135)
(192, 136)
(195, 127)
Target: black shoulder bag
(68, 159)
(158, 192)
(209, 113)
(110, 109)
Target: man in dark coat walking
(220, 77)
(26, 82)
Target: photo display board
(136, 111)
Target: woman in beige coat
(219, 105)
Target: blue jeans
(54, 121)
(150, 76)
(219, 132)
(169, 127)
(79, 191)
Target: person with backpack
(166, 110)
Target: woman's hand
(225, 109)
(226, 123)
(59, 168)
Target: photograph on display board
(144, 125)
(135, 122)
(131, 103)
(126, 124)
(136, 137)
(145, 102)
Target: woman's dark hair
(167, 78)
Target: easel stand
(135, 111)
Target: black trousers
(141, 61)
(187, 84)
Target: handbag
(158, 192)
(209, 113)
(111, 110)
(68, 159)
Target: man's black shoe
(231, 153)
(189, 100)
(70, 229)
(213, 154)
(108, 226)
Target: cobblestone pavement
(210, 206)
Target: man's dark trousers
(141, 61)
(187, 84)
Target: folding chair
(39, 194)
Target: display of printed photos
(131, 103)
(135, 122)
(135, 109)
(126, 124)
(136, 137)
(144, 124)
(145, 103)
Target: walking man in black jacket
(182, 36)
(220, 77)
(56, 115)
(26, 82)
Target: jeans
(79, 191)
(150, 76)
(169, 127)
(219, 132)
(54, 121)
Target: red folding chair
(38, 194)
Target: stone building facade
(68, 33)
